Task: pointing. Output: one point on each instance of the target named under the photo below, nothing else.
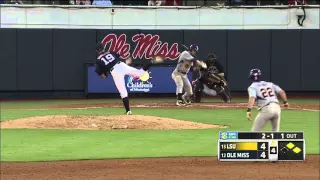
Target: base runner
(109, 62)
(265, 95)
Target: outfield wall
(52, 60)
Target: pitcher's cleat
(129, 113)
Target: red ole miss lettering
(146, 46)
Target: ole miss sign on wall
(145, 46)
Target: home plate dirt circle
(104, 123)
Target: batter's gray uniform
(179, 75)
(267, 104)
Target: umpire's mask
(211, 59)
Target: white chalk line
(313, 110)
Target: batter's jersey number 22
(267, 92)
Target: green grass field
(47, 145)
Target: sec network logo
(139, 84)
(228, 135)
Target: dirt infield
(182, 168)
(162, 169)
(236, 105)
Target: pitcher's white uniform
(119, 70)
(180, 74)
(265, 94)
(108, 62)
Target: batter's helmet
(194, 47)
(255, 74)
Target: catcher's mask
(255, 74)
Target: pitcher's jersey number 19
(106, 58)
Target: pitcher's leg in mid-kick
(187, 89)
(179, 83)
(118, 73)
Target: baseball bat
(185, 47)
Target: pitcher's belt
(111, 69)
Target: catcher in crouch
(211, 81)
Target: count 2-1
(267, 136)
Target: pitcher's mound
(104, 122)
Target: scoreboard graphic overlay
(261, 146)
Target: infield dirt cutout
(104, 123)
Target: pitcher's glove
(157, 59)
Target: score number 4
(263, 154)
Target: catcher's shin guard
(197, 97)
(198, 92)
(223, 94)
(227, 90)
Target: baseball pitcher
(264, 94)
(180, 75)
(109, 62)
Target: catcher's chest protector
(213, 70)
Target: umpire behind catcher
(212, 78)
(212, 61)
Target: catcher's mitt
(213, 79)
(213, 70)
